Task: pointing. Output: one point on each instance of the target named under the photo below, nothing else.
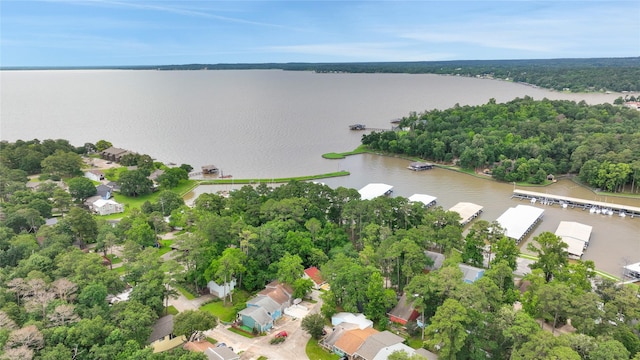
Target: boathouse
(566, 201)
(632, 271)
(468, 211)
(576, 236)
(519, 221)
(427, 200)
(419, 166)
(371, 191)
(209, 169)
(357, 127)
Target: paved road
(251, 349)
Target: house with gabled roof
(280, 293)
(256, 318)
(221, 353)
(273, 308)
(376, 342)
(162, 337)
(314, 274)
(351, 340)
(95, 175)
(403, 312)
(470, 273)
(344, 317)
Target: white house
(221, 290)
(106, 207)
(95, 175)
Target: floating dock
(419, 166)
(593, 206)
(427, 200)
(468, 211)
(519, 221)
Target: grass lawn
(119, 270)
(315, 352)
(114, 259)
(240, 332)
(165, 247)
(186, 293)
(172, 310)
(211, 340)
(224, 313)
(414, 342)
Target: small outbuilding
(209, 169)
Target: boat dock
(468, 211)
(597, 207)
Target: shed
(403, 312)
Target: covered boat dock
(566, 201)
(427, 200)
(468, 211)
(372, 191)
(576, 236)
(419, 166)
(519, 221)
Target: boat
(622, 214)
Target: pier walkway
(584, 204)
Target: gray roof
(470, 273)
(221, 353)
(377, 342)
(427, 354)
(162, 328)
(403, 310)
(258, 314)
(437, 258)
(265, 302)
(337, 332)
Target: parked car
(221, 345)
(281, 334)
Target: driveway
(292, 348)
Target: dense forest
(53, 291)
(575, 75)
(525, 140)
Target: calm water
(261, 124)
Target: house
(470, 273)
(104, 191)
(155, 174)
(402, 313)
(280, 293)
(329, 341)
(162, 338)
(437, 258)
(221, 353)
(359, 319)
(113, 153)
(256, 318)
(106, 207)
(376, 342)
(95, 175)
(221, 290)
(314, 274)
(274, 310)
(113, 185)
(385, 352)
(351, 341)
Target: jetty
(597, 207)
(467, 211)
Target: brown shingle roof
(352, 340)
(280, 293)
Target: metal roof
(371, 191)
(425, 199)
(518, 220)
(574, 230)
(466, 210)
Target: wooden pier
(593, 206)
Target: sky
(138, 32)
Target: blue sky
(136, 32)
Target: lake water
(269, 124)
